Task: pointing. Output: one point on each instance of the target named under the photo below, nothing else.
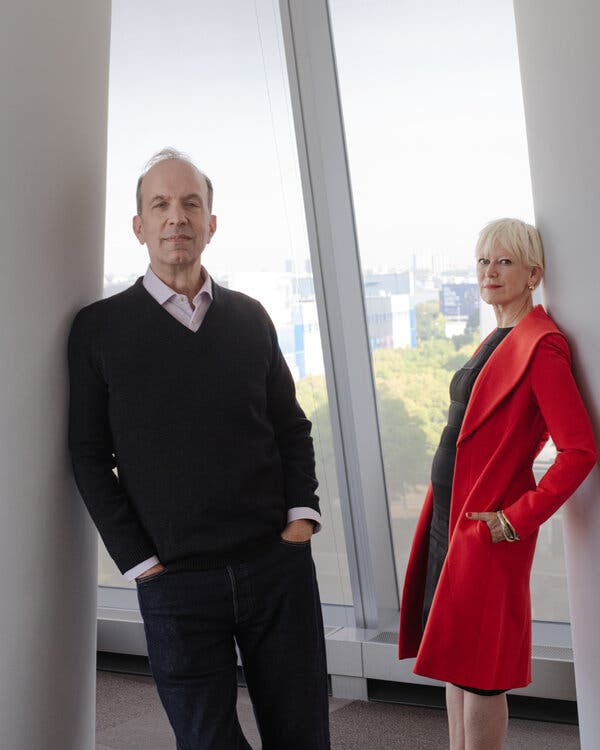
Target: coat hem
(473, 683)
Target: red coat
(478, 631)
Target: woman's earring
(531, 287)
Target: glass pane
(436, 142)
(215, 86)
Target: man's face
(175, 222)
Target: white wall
(560, 59)
(53, 93)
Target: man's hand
(154, 569)
(298, 531)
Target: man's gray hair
(164, 155)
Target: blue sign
(459, 300)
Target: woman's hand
(493, 524)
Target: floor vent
(552, 653)
(385, 636)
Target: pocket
(288, 543)
(148, 579)
(483, 532)
(477, 532)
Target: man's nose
(177, 215)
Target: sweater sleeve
(292, 431)
(90, 444)
(569, 426)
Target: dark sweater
(210, 444)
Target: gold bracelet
(508, 535)
(511, 527)
(507, 528)
(504, 527)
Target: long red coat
(478, 631)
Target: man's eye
(192, 204)
(162, 204)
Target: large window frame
(338, 285)
(335, 258)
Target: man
(180, 384)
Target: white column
(53, 105)
(560, 59)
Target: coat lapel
(505, 368)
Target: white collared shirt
(178, 305)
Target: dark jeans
(271, 607)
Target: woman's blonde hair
(521, 239)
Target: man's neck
(186, 280)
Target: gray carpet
(379, 726)
(129, 717)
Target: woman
(465, 608)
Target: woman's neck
(508, 316)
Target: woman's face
(503, 279)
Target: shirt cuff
(306, 514)
(133, 573)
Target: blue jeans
(270, 606)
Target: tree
(428, 321)
(412, 393)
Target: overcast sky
(433, 115)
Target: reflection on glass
(436, 142)
(215, 87)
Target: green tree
(412, 394)
(429, 322)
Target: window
(436, 143)
(221, 96)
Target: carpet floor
(129, 717)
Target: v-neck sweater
(210, 445)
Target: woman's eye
(483, 261)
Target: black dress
(442, 468)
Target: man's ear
(138, 229)
(212, 226)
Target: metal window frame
(341, 309)
(338, 284)
(319, 131)
(324, 169)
